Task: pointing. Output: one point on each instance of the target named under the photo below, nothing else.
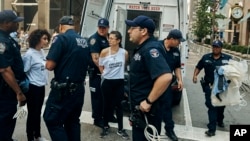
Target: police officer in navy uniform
(68, 57)
(11, 70)
(97, 42)
(150, 75)
(209, 62)
(173, 58)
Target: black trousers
(215, 114)
(35, 98)
(113, 91)
(96, 97)
(8, 108)
(62, 114)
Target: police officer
(97, 42)
(11, 70)
(68, 57)
(209, 62)
(173, 58)
(150, 75)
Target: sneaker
(105, 132)
(123, 134)
(40, 139)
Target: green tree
(205, 18)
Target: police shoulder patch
(2, 48)
(92, 41)
(54, 40)
(154, 53)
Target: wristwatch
(149, 102)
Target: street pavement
(184, 130)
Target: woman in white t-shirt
(34, 67)
(112, 63)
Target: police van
(167, 15)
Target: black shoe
(171, 135)
(105, 132)
(221, 125)
(210, 133)
(99, 123)
(113, 119)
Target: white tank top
(113, 65)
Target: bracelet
(149, 102)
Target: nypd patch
(154, 53)
(2, 48)
(92, 41)
(54, 40)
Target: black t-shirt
(173, 57)
(71, 54)
(96, 44)
(148, 63)
(10, 55)
(209, 64)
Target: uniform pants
(215, 114)
(96, 97)
(166, 102)
(8, 108)
(35, 98)
(62, 114)
(138, 133)
(113, 93)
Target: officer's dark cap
(66, 20)
(9, 16)
(217, 43)
(103, 22)
(143, 22)
(176, 34)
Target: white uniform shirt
(113, 65)
(34, 67)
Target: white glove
(22, 112)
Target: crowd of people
(102, 56)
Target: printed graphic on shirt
(154, 53)
(115, 65)
(2, 48)
(81, 42)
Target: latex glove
(22, 112)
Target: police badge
(2, 48)
(92, 41)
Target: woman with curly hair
(34, 67)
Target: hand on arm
(50, 65)
(160, 86)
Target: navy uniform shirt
(10, 55)
(71, 54)
(147, 63)
(209, 64)
(96, 44)
(173, 57)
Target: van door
(120, 22)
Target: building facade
(227, 29)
